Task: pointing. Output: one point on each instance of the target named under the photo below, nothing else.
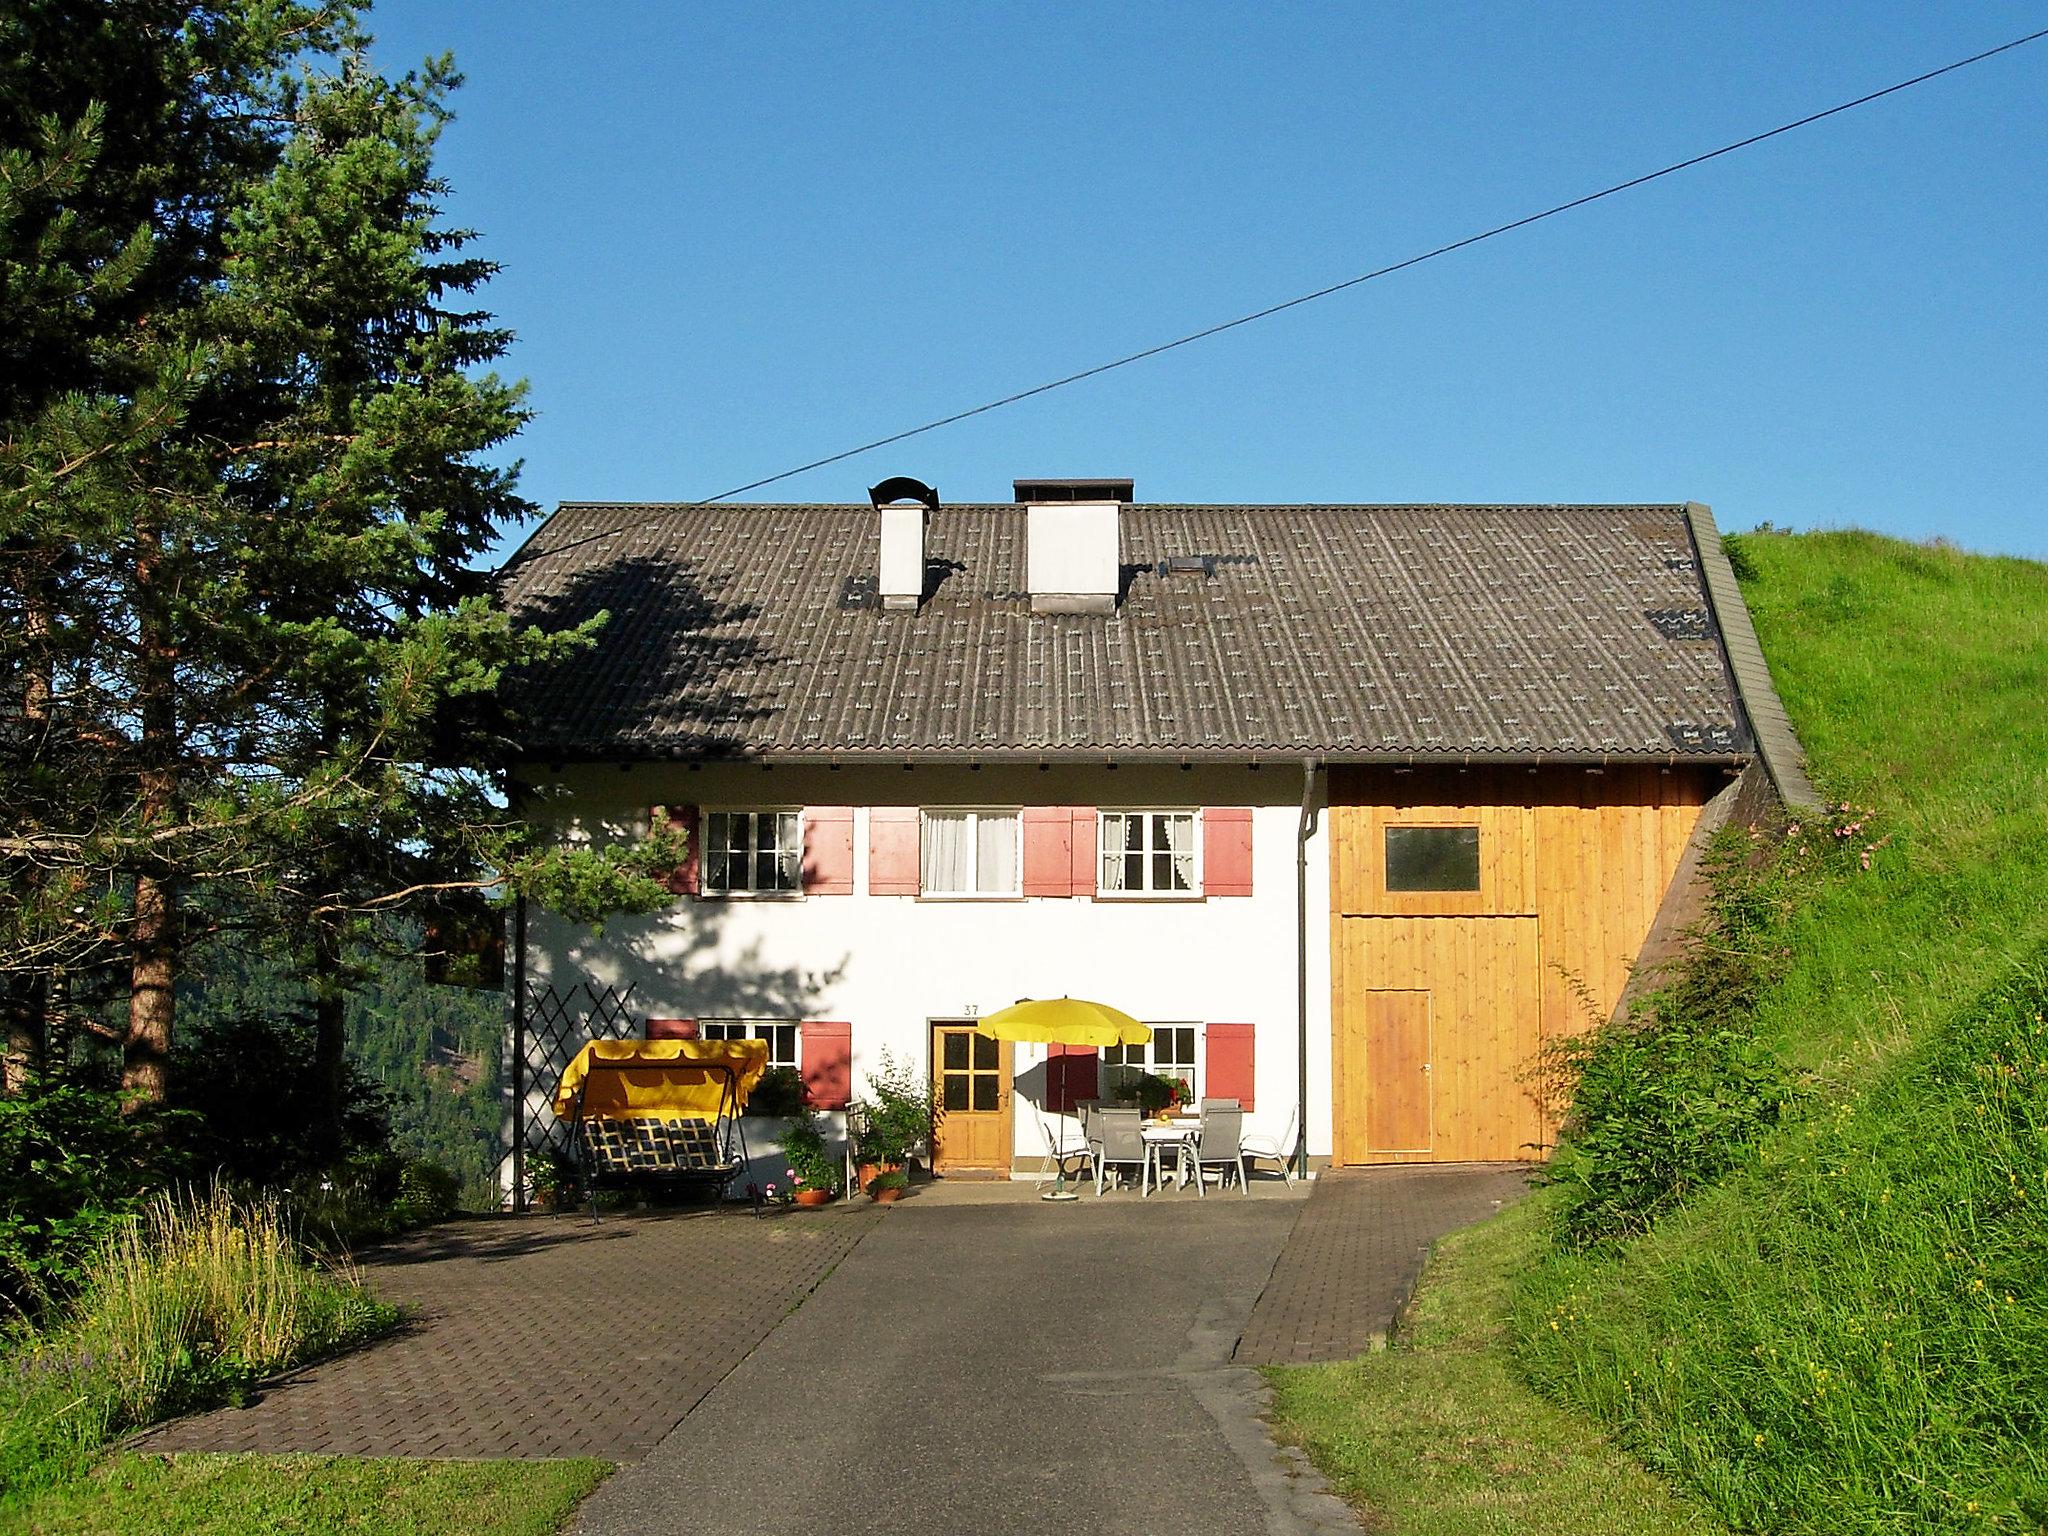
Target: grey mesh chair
(1219, 1147)
(1209, 1104)
(1119, 1143)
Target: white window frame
(1117, 1058)
(1102, 820)
(747, 893)
(759, 1029)
(974, 813)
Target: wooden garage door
(1438, 1022)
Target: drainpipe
(519, 1055)
(1308, 812)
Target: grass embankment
(1823, 1340)
(1438, 1436)
(186, 1308)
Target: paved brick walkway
(545, 1336)
(1355, 1254)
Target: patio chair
(1219, 1147)
(1276, 1149)
(1209, 1104)
(1119, 1143)
(1064, 1144)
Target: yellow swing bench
(660, 1114)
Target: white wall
(890, 964)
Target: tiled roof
(1356, 633)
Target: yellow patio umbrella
(1063, 1021)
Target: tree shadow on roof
(672, 666)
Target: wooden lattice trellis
(558, 1020)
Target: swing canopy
(661, 1079)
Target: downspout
(519, 1055)
(1301, 836)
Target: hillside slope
(1851, 1332)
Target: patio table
(1178, 1133)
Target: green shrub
(896, 1116)
(72, 1170)
(811, 1164)
(426, 1193)
(779, 1093)
(1680, 1092)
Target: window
(1149, 852)
(1169, 1053)
(753, 852)
(781, 1037)
(968, 853)
(1432, 858)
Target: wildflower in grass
(1759, 1441)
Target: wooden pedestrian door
(971, 1085)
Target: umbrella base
(1059, 1194)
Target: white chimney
(1072, 549)
(902, 573)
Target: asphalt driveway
(988, 1363)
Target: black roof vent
(903, 488)
(1071, 490)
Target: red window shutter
(1228, 1068)
(1227, 850)
(825, 1052)
(1048, 860)
(828, 850)
(682, 880)
(671, 1029)
(892, 850)
(1082, 820)
(1072, 1073)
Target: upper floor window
(1149, 852)
(781, 1037)
(968, 853)
(1432, 858)
(752, 852)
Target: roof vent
(1072, 543)
(1038, 492)
(902, 538)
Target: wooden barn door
(1439, 1020)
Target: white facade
(891, 965)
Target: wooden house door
(971, 1088)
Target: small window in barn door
(1432, 858)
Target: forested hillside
(433, 1050)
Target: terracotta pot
(888, 1196)
(813, 1196)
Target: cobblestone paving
(545, 1336)
(1356, 1251)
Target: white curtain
(996, 853)
(1180, 832)
(944, 853)
(1113, 852)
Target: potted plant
(813, 1172)
(779, 1094)
(1157, 1094)
(887, 1188)
(895, 1118)
(551, 1180)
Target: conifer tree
(251, 671)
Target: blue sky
(739, 237)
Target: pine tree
(252, 671)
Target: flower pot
(888, 1195)
(813, 1196)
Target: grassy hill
(1850, 1333)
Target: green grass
(1851, 1334)
(313, 1495)
(1437, 1436)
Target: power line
(1307, 298)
